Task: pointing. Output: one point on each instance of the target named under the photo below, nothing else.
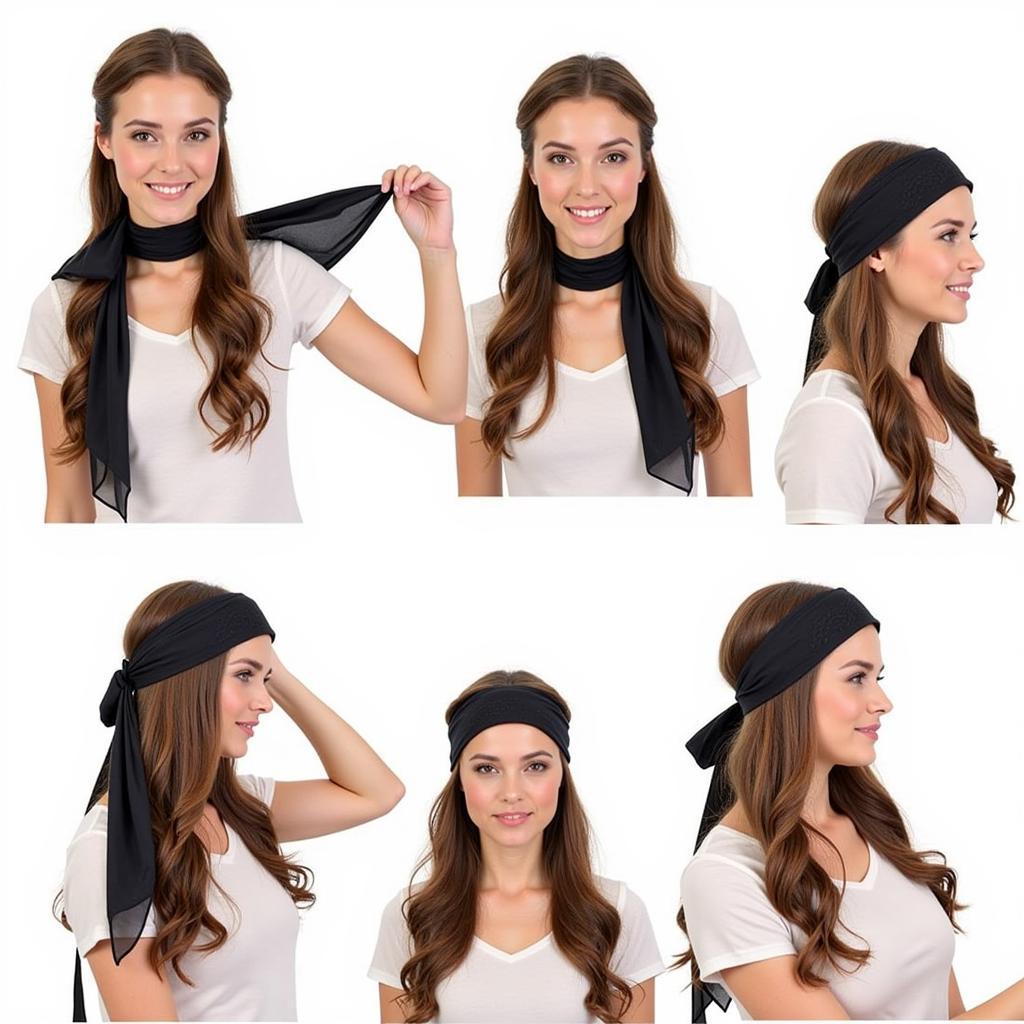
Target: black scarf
(195, 635)
(501, 704)
(789, 650)
(324, 227)
(887, 203)
(665, 427)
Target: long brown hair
(227, 313)
(855, 325)
(442, 914)
(179, 727)
(770, 768)
(519, 346)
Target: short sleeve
(312, 295)
(259, 786)
(636, 957)
(480, 318)
(85, 891)
(826, 463)
(731, 365)
(45, 350)
(394, 946)
(729, 918)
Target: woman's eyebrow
(137, 121)
(604, 145)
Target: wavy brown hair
(770, 768)
(231, 318)
(856, 327)
(179, 727)
(441, 915)
(520, 345)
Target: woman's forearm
(349, 761)
(1008, 1005)
(442, 356)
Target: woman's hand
(423, 204)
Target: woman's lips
(870, 731)
(169, 191)
(961, 291)
(587, 214)
(513, 819)
(246, 727)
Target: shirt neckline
(943, 446)
(521, 954)
(150, 332)
(867, 882)
(603, 371)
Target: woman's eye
(616, 158)
(558, 158)
(245, 675)
(198, 136)
(537, 766)
(858, 678)
(485, 769)
(142, 136)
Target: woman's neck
(511, 870)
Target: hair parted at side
(519, 347)
(441, 915)
(179, 729)
(232, 319)
(856, 326)
(770, 767)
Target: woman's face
(243, 694)
(510, 776)
(928, 273)
(164, 140)
(848, 701)
(587, 167)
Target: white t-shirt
(590, 443)
(252, 976)
(730, 922)
(831, 469)
(176, 476)
(537, 984)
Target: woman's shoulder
(830, 395)
(724, 851)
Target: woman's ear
(877, 261)
(103, 142)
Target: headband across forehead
(500, 705)
(885, 205)
(191, 637)
(790, 650)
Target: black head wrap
(665, 428)
(887, 203)
(788, 652)
(324, 227)
(195, 635)
(499, 705)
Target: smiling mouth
(588, 213)
(513, 819)
(962, 291)
(169, 191)
(246, 727)
(871, 732)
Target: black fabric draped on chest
(324, 227)
(666, 431)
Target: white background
(756, 103)
(395, 596)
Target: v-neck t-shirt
(831, 467)
(252, 976)
(730, 921)
(590, 443)
(176, 475)
(536, 984)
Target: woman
(169, 283)
(805, 898)
(175, 887)
(599, 370)
(512, 924)
(884, 429)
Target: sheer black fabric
(193, 636)
(501, 704)
(887, 203)
(665, 428)
(788, 652)
(325, 227)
